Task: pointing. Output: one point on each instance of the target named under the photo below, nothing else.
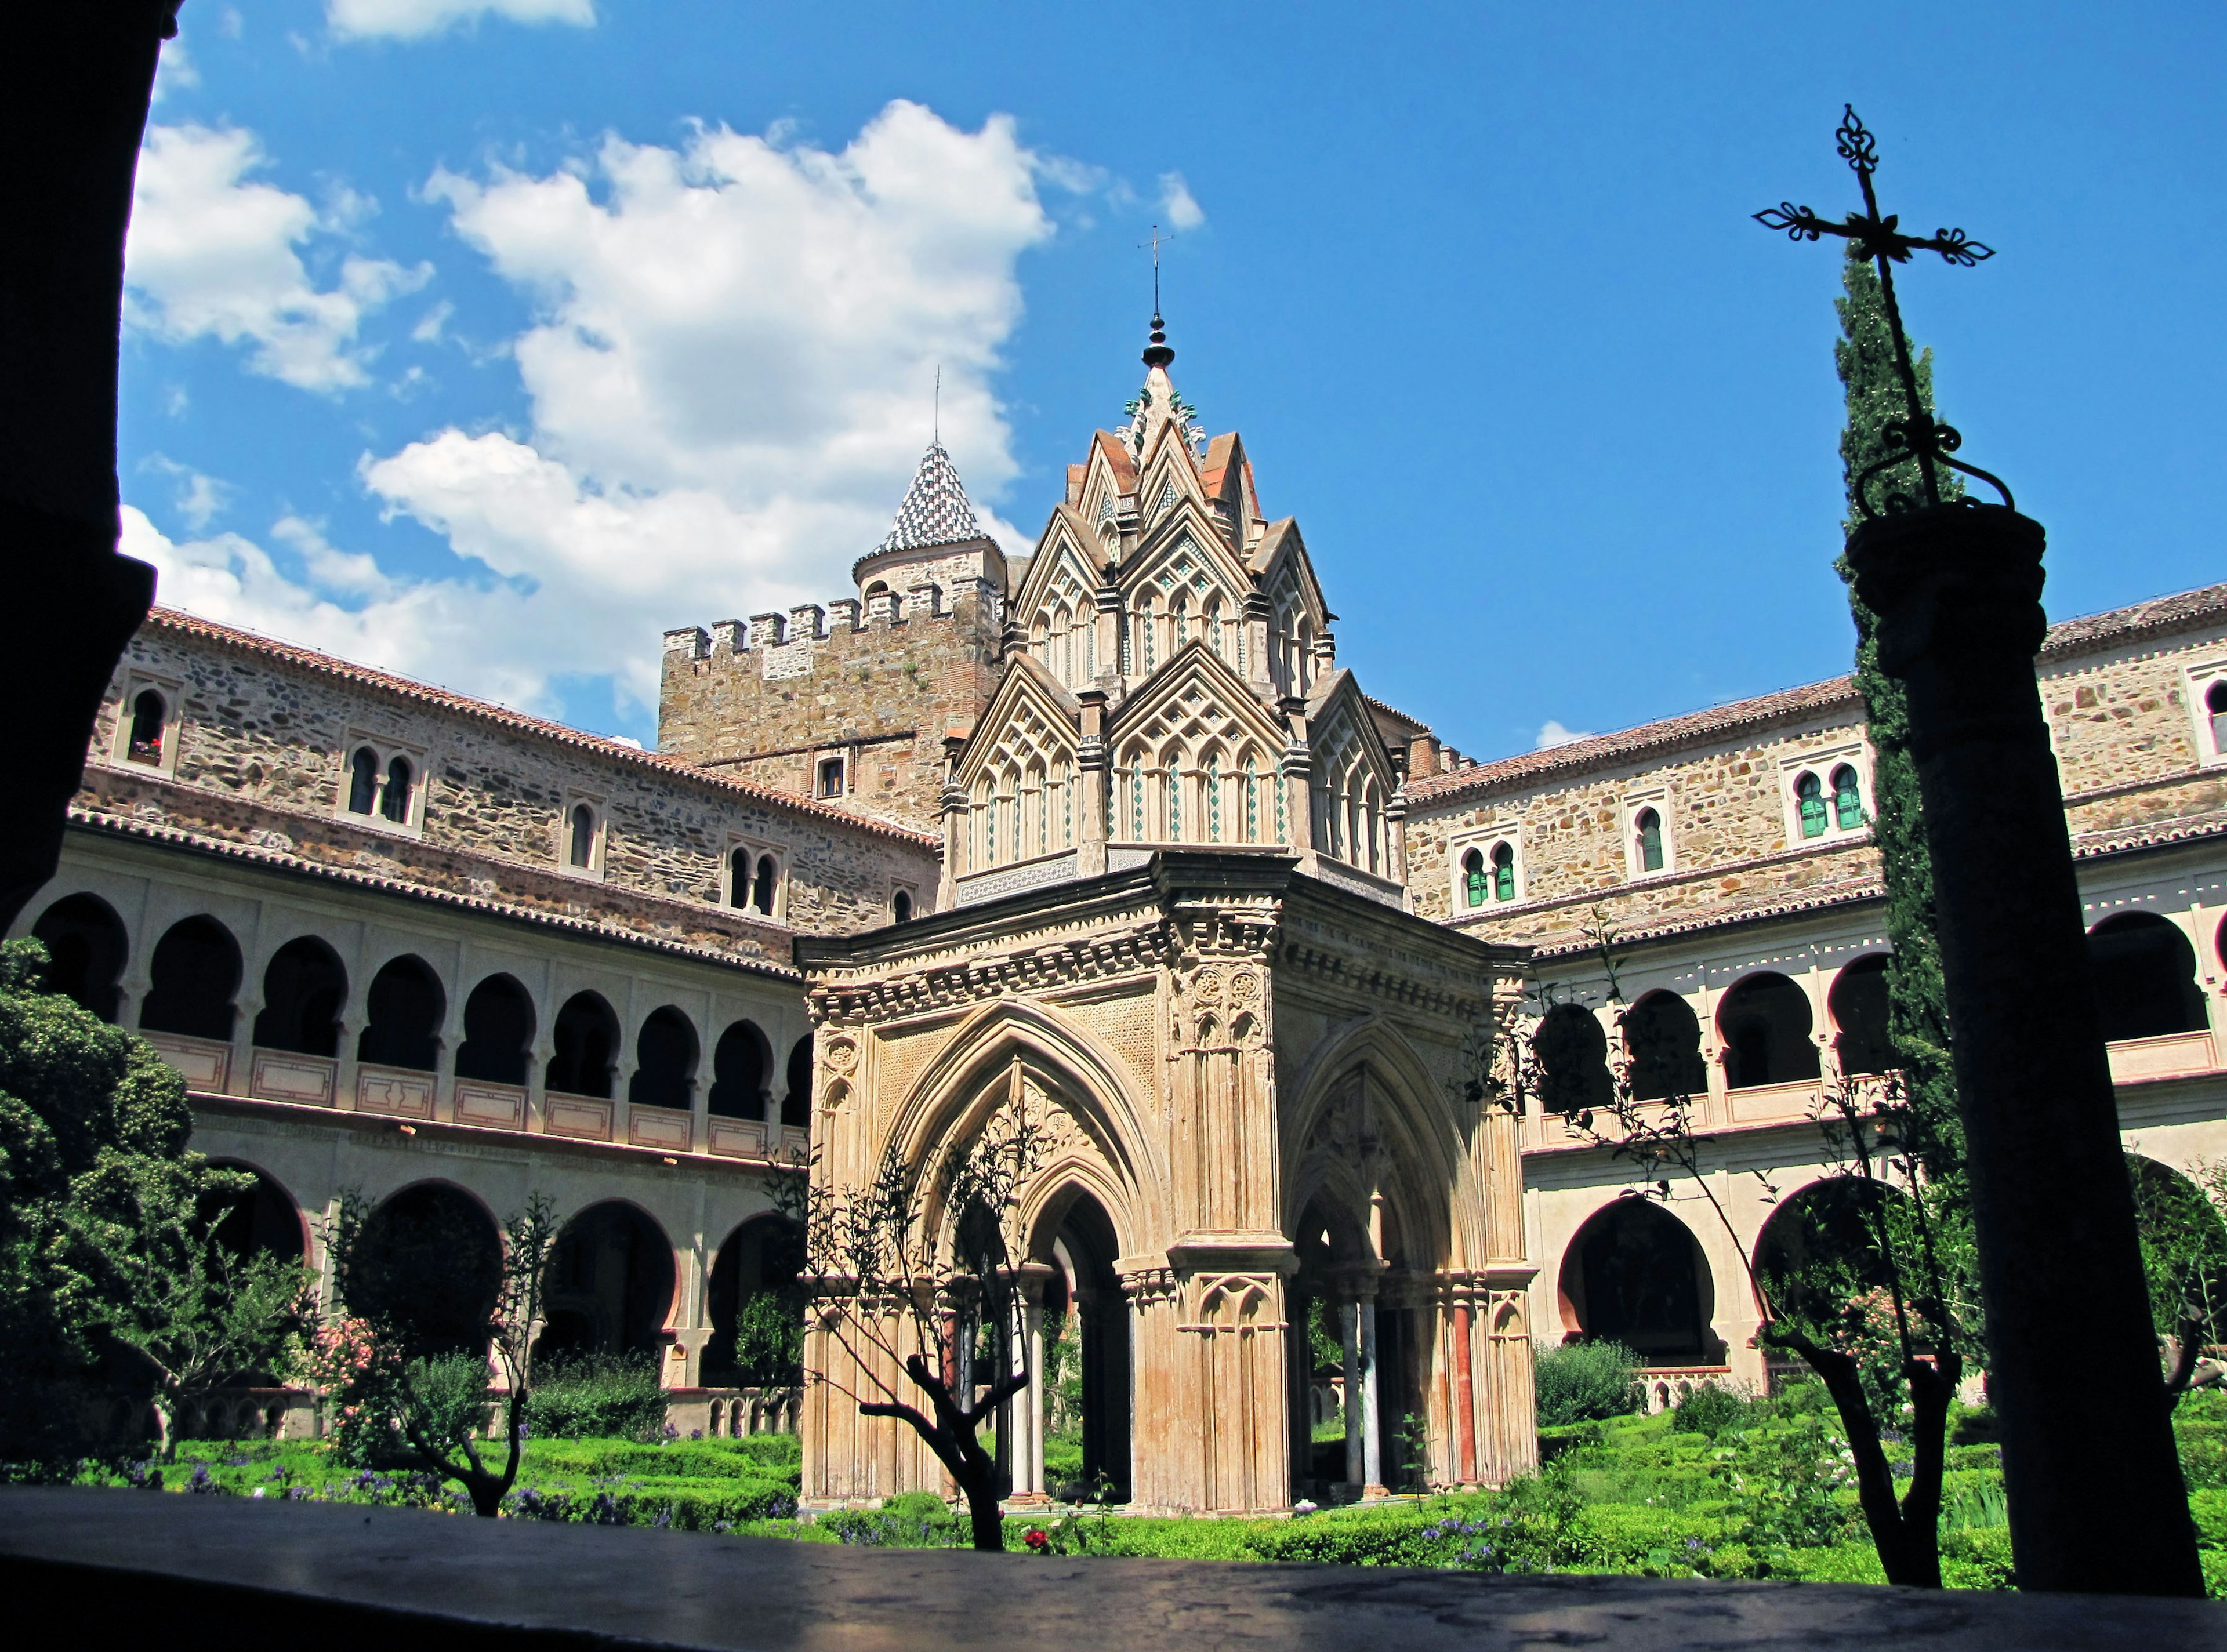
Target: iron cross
(1154, 244)
(1919, 436)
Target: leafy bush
(1581, 1382)
(912, 1520)
(1711, 1409)
(597, 1396)
(770, 1339)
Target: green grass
(1764, 1496)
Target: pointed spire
(935, 510)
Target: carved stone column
(2099, 1508)
(954, 823)
(1090, 774)
(1297, 769)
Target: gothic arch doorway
(1085, 1424)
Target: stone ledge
(233, 1572)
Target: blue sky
(486, 340)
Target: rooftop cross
(1919, 435)
(1157, 352)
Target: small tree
(1915, 1346)
(914, 1270)
(103, 1248)
(186, 1310)
(434, 1405)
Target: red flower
(1036, 1539)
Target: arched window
(580, 851)
(498, 1030)
(84, 944)
(796, 1105)
(2215, 703)
(1503, 871)
(1664, 1039)
(363, 781)
(394, 799)
(665, 1062)
(765, 885)
(1764, 1023)
(1809, 800)
(901, 906)
(2144, 974)
(739, 879)
(1847, 798)
(1474, 882)
(192, 979)
(1573, 1054)
(403, 1011)
(586, 1036)
(304, 988)
(1858, 1003)
(148, 715)
(738, 1073)
(1649, 844)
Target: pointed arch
(1428, 1180)
(957, 1093)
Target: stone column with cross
(1956, 589)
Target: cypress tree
(1917, 1003)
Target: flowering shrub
(342, 1364)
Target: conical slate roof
(936, 511)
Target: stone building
(406, 943)
(1728, 854)
(1174, 924)
(1107, 828)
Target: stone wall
(2122, 692)
(766, 702)
(258, 755)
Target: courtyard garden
(1727, 1487)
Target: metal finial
(1157, 353)
(1919, 435)
(935, 424)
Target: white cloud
(435, 630)
(1179, 210)
(1552, 733)
(214, 253)
(199, 498)
(416, 19)
(729, 375)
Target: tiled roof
(100, 820)
(1838, 695)
(2089, 631)
(169, 619)
(2144, 619)
(936, 511)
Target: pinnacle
(935, 510)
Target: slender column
(351, 1029)
(1348, 1321)
(246, 1007)
(2100, 1508)
(1464, 1406)
(1032, 1329)
(1372, 1445)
